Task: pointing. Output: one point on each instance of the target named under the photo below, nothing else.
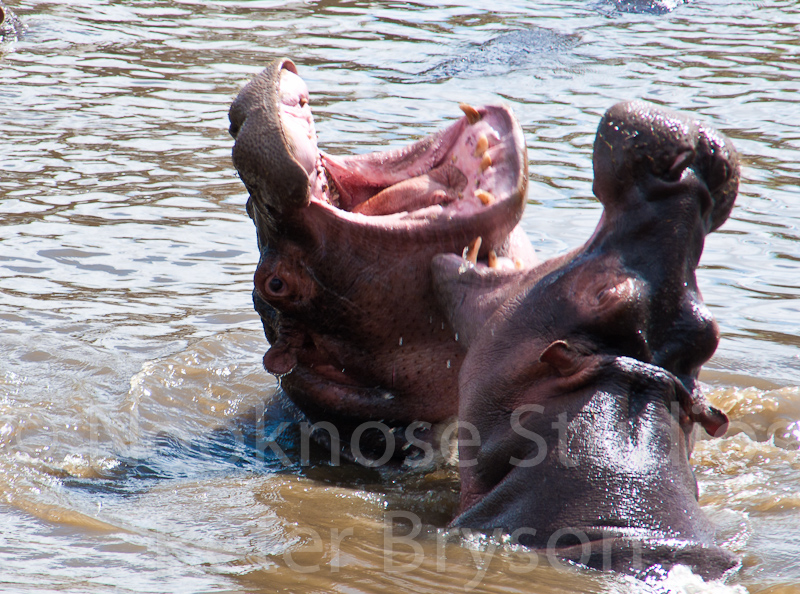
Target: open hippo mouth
(475, 168)
(343, 284)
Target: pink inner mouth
(475, 163)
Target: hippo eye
(275, 284)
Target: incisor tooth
(492, 259)
(472, 114)
(486, 197)
(486, 162)
(518, 264)
(472, 250)
(481, 145)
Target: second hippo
(579, 391)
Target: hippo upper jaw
(470, 177)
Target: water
(132, 400)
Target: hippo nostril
(679, 165)
(275, 285)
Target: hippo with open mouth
(343, 284)
(579, 392)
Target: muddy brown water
(132, 400)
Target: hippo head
(591, 465)
(343, 285)
(579, 391)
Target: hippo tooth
(472, 250)
(518, 264)
(486, 197)
(472, 114)
(493, 259)
(486, 162)
(481, 145)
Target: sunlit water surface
(132, 400)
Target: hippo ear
(468, 295)
(562, 358)
(697, 407)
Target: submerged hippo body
(343, 285)
(658, 7)
(581, 375)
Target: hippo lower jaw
(646, 554)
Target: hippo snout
(640, 146)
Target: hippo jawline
(647, 554)
(478, 164)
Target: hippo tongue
(394, 174)
(476, 162)
(438, 186)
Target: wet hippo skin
(343, 285)
(579, 391)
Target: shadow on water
(256, 441)
(169, 435)
(268, 441)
